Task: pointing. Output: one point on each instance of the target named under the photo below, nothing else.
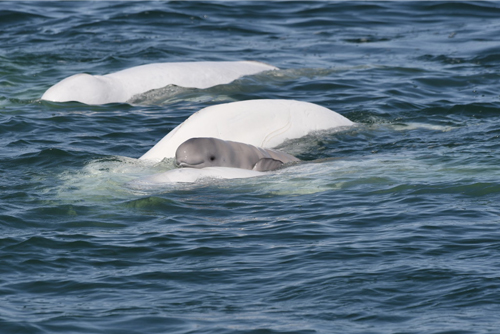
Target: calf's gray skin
(213, 152)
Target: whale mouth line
(185, 164)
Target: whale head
(85, 88)
(204, 152)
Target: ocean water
(391, 226)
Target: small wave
(247, 87)
(9, 18)
(173, 94)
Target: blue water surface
(391, 226)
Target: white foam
(191, 175)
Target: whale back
(262, 123)
(189, 74)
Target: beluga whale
(213, 152)
(261, 123)
(121, 86)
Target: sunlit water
(391, 226)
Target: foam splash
(415, 126)
(125, 178)
(192, 175)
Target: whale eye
(212, 158)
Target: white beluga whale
(213, 152)
(119, 87)
(261, 123)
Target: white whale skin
(262, 123)
(119, 87)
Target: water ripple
(385, 227)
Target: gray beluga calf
(213, 152)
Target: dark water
(398, 234)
